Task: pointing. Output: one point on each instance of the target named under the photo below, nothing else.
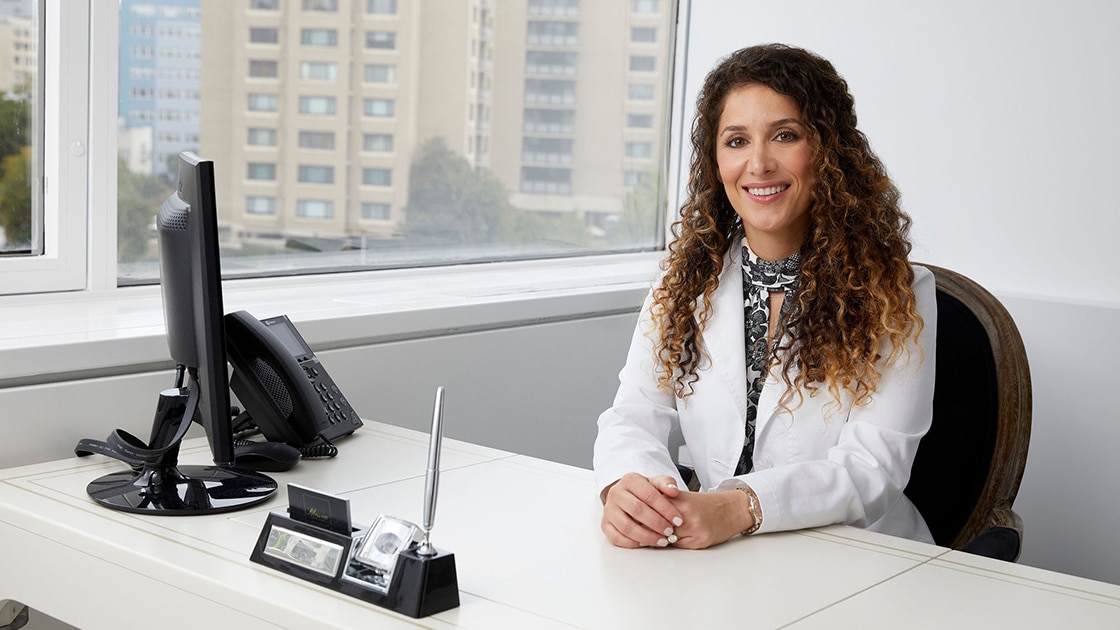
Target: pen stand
(390, 573)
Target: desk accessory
(391, 564)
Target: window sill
(61, 336)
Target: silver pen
(431, 480)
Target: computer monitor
(191, 286)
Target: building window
(643, 63)
(377, 177)
(548, 120)
(546, 181)
(318, 37)
(322, 70)
(639, 121)
(315, 208)
(644, 6)
(262, 102)
(330, 6)
(262, 137)
(263, 171)
(381, 39)
(381, 7)
(377, 142)
(264, 36)
(316, 174)
(260, 205)
(379, 107)
(550, 91)
(639, 150)
(265, 5)
(263, 69)
(381, 73)
(550, 62)
(640, 92)
(549, 150)
(643, 35)
(569, 8)
(376, 210)
(316, 139)
(542, 33)
(317, 105)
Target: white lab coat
(821, 464)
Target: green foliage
(15, 196)
(138, 199)
(641, 213)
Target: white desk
(528, 553)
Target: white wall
(998, 121)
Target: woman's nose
(760, 161)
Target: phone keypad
(335, 406)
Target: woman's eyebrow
(777, 123)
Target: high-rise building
(159, 76)
(316, 108)
(19, 52)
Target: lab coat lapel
(725, 337)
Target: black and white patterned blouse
(760, 279)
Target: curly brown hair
(854, 291)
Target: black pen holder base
(420, 585)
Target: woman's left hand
(711, 518)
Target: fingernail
(677, 521)
(673, 486)
(673, 539)
(668, 531)
(661, 542)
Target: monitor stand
(156, 483)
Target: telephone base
(181, 490)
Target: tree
(641, 211)
(138, 199)
(452, 202)
(15, 196)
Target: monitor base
(181, 490)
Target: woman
(789, 339)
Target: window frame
(65, 86)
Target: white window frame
(65, 80)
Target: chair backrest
(968, 467)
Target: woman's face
(765, 166)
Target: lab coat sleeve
(865, 472)
(634, 432)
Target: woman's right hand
(637, 511)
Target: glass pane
(21, 102)
(504, 131)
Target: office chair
(968, 467)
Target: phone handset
(280, 382)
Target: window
(327, 71)
(641, 92)
(316, 174)
(642, 63)
(639, 121)
(643, 35)
(316, 139)
(377, 177)
(314, 208)
(264, 36)
(320, 5)
(380, 107)
(378, 142)
(262, 102)
(260, 205)
(262, 137)
(381, 73)
(264, 69)
(318, 37)
(381, 39)
(639, 150)
(261, 171)
(316, 105)
(342, 165)
(376, 210)
(381, 7)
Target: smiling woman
(790, 338)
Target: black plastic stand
(157, 484)
(420, 585)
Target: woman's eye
(735, 143)
(785, 136)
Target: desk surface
(528, 553)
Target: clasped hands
(643, 511)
